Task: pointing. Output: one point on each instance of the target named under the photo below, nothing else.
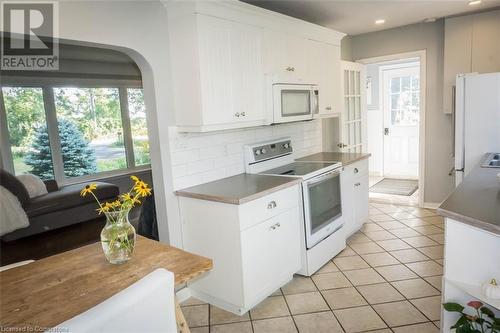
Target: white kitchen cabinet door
(271, 253)
(214, 38)
(247, 73)
(232, 82)
(361, 205)
(355, 207)
(285, 57)
(323, 62)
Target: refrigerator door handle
(453, 118)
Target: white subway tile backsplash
(203, 157)
(185, 156)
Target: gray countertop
(476, 201)
(239, 189)
(344, 158)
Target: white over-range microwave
(294, 102)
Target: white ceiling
(358, 16)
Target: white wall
(140, 30)
(438, 147)
(200, 158)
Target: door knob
(341, 145)
(386, 131)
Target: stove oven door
(322, 206)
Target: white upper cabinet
(226, 56)
(217, 72)
(284, 57)
(471, 44)
(231, 75)
(323, 62)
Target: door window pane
(90, 128)
(405, 83)
(139, 128)
(28, 135)
(395, 86)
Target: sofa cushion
(69, 196)
(33, 184)
(14, 185)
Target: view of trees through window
(89, 125)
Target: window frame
(47, 84)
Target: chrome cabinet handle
(356, 170)
(290, 69)
(237, 114)
(275, 226)
(271, 205)
(357, 184)
(328, 108)
(243, 114)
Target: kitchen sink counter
(330, 157)
(239, 189)
(476, 201)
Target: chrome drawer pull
(356, 170)
(271, 205)
(357, 184)
(275, 226)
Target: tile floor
(388, 279)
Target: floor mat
(395, 186)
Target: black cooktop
(297, 169)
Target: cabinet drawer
(268, 206)
(270, 254)
(357, 168)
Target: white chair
(146, 306)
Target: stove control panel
(268, 150)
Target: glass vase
(118, 237)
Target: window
(96, 130)
(28, 135)
(138, 125)
(94, 115)
(405, 100)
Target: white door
(401, 109)
(353, 118)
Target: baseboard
(431, 205)
(183, 294)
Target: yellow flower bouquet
(118, 235)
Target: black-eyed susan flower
(142, 189)
(102, 209)
(88, 189)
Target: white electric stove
(321, 198)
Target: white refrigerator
(477, 120)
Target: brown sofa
(60, 207)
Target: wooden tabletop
(54, 289)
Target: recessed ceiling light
(474, 2)
(382, 21)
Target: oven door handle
(323, 177)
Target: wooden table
(52, 290)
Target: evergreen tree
(78, 158)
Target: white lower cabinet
(354, 187)
(252, 258)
